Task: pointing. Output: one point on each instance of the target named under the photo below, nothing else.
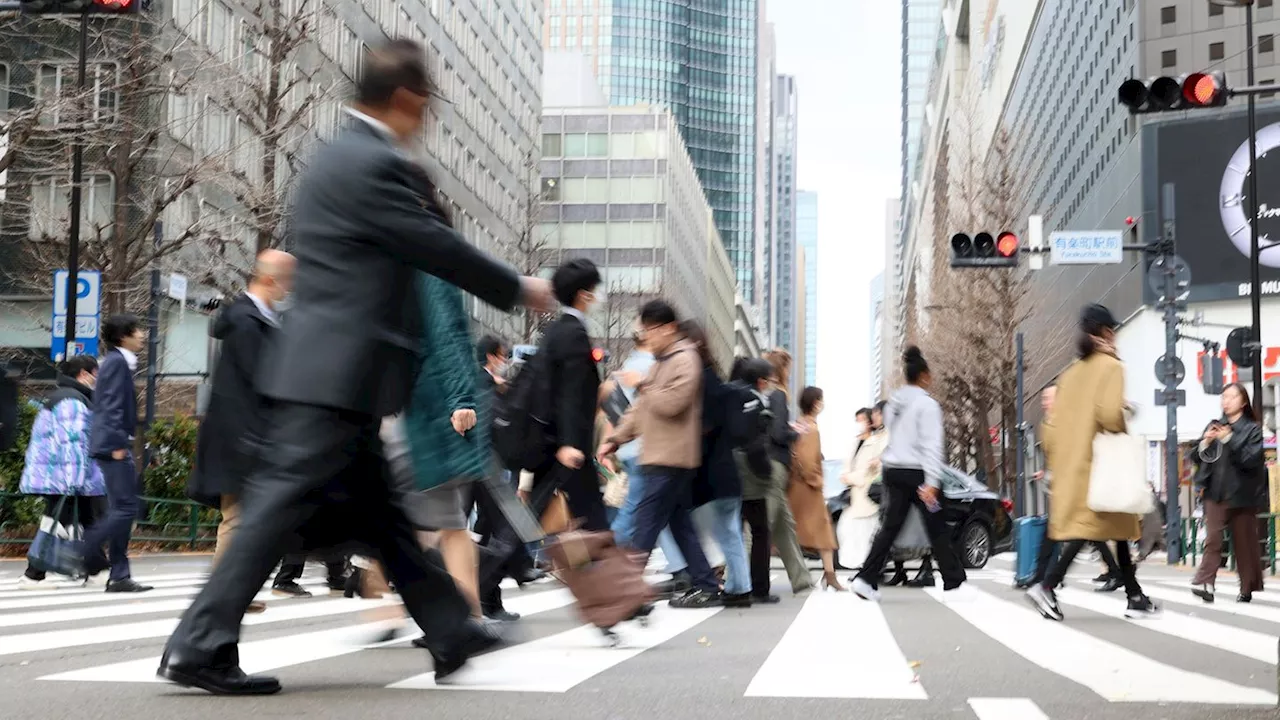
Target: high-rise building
(700, 59)
(207, 102)
(877, 345)
(807, 239)
(782, 191)
(798, 358)
(621, 191)
(891, 280)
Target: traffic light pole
(1173, 514)
(1255, 271)
(77, 177)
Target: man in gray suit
(345, 357)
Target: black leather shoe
(502, 615)
(219, 681)
(922, 580)
(898, 578)
(127, 585)
(532, 575)
(476, 638)
(765, 599)
(290, 589)
(1111, 585)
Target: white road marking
(558, 663)
(838, 646)
(1006, 709)
(1113, 672)
(97, 595)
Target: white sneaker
(26, 583)
(864, 590)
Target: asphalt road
(82, 654)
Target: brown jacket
(1090, 400)
(667, 411)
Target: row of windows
(614, 234)
(1169, 13)
(610, 190)
(618, 145)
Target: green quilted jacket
(449, 381)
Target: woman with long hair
(782, 437)
(813, 521)
(858, 522)
(1089, 400)
(912, 465)
(1233, 477)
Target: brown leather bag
(607, 581)
(556, 518)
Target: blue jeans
(667, 501)
(624, 523)
(728, 534)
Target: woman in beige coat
(1090, 399)
(859, 521)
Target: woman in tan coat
(1090, 399)
(804, 493)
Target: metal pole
(1019, 499)
(1173, 516)
(77, 177)
(153, 345)
(1255, 278)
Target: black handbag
(876, 493)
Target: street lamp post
(1255, 272)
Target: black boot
(923, 579)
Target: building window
(1216, 51)
(56, 88)
(1266, 96)
(1215, 10)
(1168, 15)
(1264, 3)
(1168, 58)
(1266, 43)
(51, 205)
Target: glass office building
(807, 239)
(699, 59)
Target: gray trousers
(782, 530)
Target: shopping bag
(556, 518)
(59, 548)
(1117, 480)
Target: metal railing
(1193, 542)
(170, 522)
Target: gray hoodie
(914, 421)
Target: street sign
(178, 287)
(1180, 398)
(88, 313)
(1181, 277)
(1086, 247)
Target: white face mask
(285, 304)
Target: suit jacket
(363, 221)
(223, 448)
(115, 407)
(576, 382)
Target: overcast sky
(845, 56)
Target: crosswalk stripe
(77, 637)
(838, 646)
(1197, 630)
(1113, 672)
(264, 655)
(558, 663)
(139, 605)
(1269, 614)
(70, 590)
(1006, 709)
(1226, 589)
(98, 596)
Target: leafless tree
(532, 254)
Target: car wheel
(975, 544)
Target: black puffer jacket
(1234, 473)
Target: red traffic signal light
(76, 7)
(597, 354)
(1194, 90)
(984, 250)
(1007, 244)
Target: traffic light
(984, 250)
(76, 7)
(1163, 94)
(599, 355)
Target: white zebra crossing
(834, 646)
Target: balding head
(273, 276)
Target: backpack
(748, 424)
(8, 410)
(522, 439)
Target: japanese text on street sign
(1092, 247)
(88, 309)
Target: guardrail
(171, 522)
(1193, 542)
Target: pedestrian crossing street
(827, 645)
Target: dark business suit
(345, 356)
(115, 420)
(575, 380)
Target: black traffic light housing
(984, 250)
(1167, 94)
(77, 7)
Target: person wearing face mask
(572, 375)
(57, 462)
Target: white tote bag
(1117, 481)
